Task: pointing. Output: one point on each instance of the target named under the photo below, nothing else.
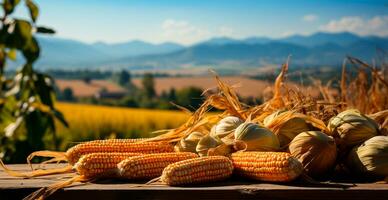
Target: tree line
(144, 96)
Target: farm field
(89, 122)
(82, 89)
(245, 86)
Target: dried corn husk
(256, 137)
(226, 126)
(227, 148)
(206, 143)
(315, 150)
(189, 143)
(284, 127)
(371, 157)
(352, 128)
(381, 118)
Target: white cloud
(225, 31)
(186, 33)
(183, 32)
(310, 18)
(377, 25)
(287, 33)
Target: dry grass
(356, 92)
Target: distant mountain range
(319, 49)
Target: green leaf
(46, 30)
(31, 51)
(9, 5)
(36, 126)
(21, 35)
(12, 54)
(11, 128)
(4, 33)
(60, 117)
(44, 90)
(34, 10)
(2, 60)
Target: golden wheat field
(95, 122)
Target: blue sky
(190, 21)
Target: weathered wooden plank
(17, 188)
(202, 193)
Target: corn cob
(266, 166)
(151, 165)
(110, 145)
(89, 167)
(197, 170)
(100, 165)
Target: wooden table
(17, 188)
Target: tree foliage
(189, 97)
(124, 78)
(149, 85)
(27, 111)
(67, 94)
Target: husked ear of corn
(225, 126)
(110, 145)
(352, 128)
(197, 170)
(98, 165)
(370, 158)
(315, 150)
(256, 137)
(150, 165)
(116, 145)
(266, 166)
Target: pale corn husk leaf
(226, 126)
(315, 150)
(206, 143)
(256, 137)
(370, 158)
(285, 126)
(352, 128)
(189, 143)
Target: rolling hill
(136, 48)
(220, 53)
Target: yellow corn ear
(97, 165)
(150, 165)
(99, 146)
(266, 166)
(197, 170)
(116, 145)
